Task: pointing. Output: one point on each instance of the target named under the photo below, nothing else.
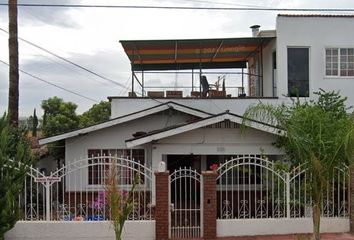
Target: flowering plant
(214, 167)
(100, 202)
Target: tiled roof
(317, 15)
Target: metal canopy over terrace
(221, 53)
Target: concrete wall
(209, 141)
(316, 33)
(213, 106)
(144, 230)
(268, 68)
(252, 227)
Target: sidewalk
(328, 236)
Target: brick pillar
(209, 204)
(351, 199)
(162, 205)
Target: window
(340, 62)
(298, 72)
(97, 170)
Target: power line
(64, 65)
(75, 64)
(183, 7)
(68, 61)
(53, 84)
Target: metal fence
(78, 191)
(250, 186)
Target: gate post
(288, 195)
(162, 205)
(209, 207)
(47, 199)
(351, 198)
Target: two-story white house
(303, 54)
(195, 123)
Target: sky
(90, 38)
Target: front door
(176, 162)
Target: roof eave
(126, 118)
(202, 123)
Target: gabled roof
(171, 131)
(127, 118)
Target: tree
(13, 59)
(59, 117)
(15, 156)
(318, 133)
(32, 123)
(96, 114)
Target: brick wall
(162, 208)
(209, 203)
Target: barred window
(340, 62)
(97, 170)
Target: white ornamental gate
(185, 203)
(77, 191)
(254, 187)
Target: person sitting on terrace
(205, 86)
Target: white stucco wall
(210, 141)
(40, 230)
(253, 227)
(268, 68)
(213, 106)
(317, 33)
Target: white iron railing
(250, 186)
(77, 191)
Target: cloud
(34, 16)
(33, 91)
(90, 37)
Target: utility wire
(183, 7)
(75, 64)
(53, 84)
(68, 61)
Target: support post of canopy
(142, 83)
(132, 80)
(192, 79)
(262, 90)
(200, 71)
(243, 84)
(133, 74)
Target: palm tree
(13, 72)
(319, 134)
